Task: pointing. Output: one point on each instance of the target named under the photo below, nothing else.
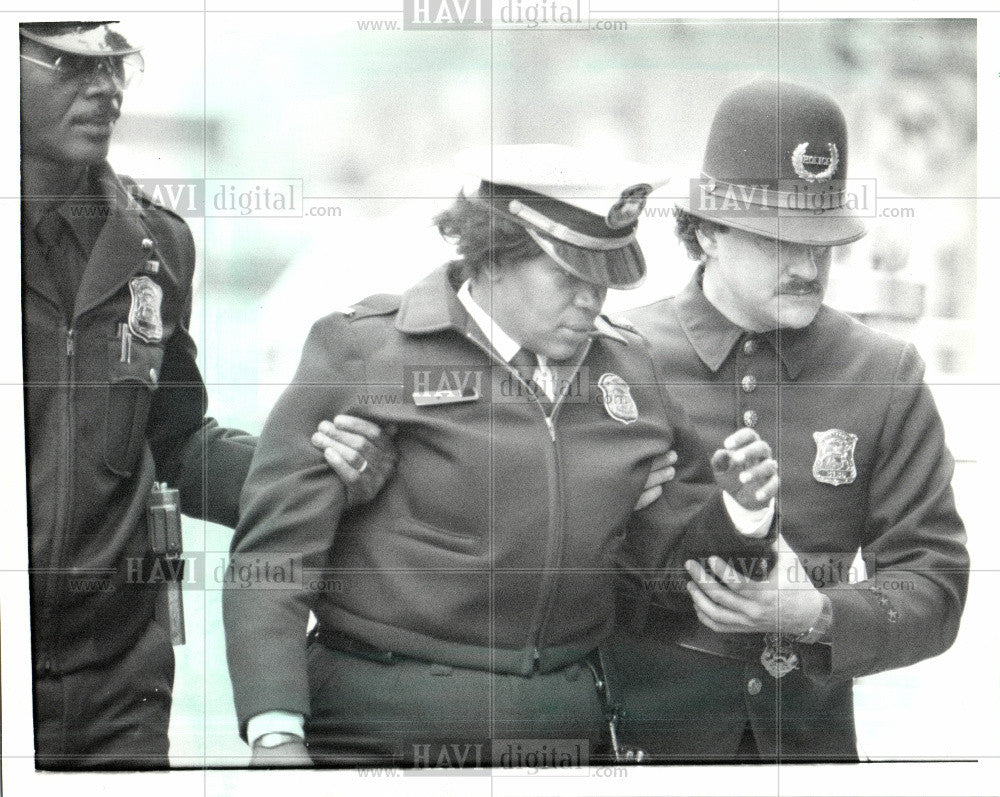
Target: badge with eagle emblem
(618, 399)
(835, 457)
(144, 316)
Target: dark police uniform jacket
(107, 416)
(495, 544)
(863, 466)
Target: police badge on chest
(834, 462)
(144, 316)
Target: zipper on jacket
(535, 633)
(551, 575)
(493, 356)
(64, 526)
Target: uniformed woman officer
(459, 611)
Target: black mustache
(104, 113)
(800, 286)
(98, 118)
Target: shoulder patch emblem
(835, 457)
(618, 399)
(144, 317)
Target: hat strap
(546, 246)
(564, 233)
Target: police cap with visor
(79, 47)
(582, 208)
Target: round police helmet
(776, 165)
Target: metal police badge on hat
(801, 159)
(835, 457)
(144, 319)
(779, 657)
(627, 209)
(618, 399)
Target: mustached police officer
(114, 400)
(459, 612)
(764, 670)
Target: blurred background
(368, 121)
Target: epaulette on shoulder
(379, 304)
(144, 199)
(622, 323)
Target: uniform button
(749, 383)
(754, 686)
(147, 244)
(749, 346)
(750, 418)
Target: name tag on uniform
(431, 397)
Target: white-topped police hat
(581, 207)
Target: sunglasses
(122, 69)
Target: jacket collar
(118, 252)
(432, 305)
(713, 336)
(84, 227)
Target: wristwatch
(276, 739)
(821, 628)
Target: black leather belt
(337, 640)
(685, 630)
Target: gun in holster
(163, 516)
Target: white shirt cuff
(749, 522)
(275, 722)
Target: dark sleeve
(909, 607)
(290, 509)
(205, 461)
(689, 521)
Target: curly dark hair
(686, 227)
(482, 238)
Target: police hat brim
(93, 39)
(807, 227)
(621, 268)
